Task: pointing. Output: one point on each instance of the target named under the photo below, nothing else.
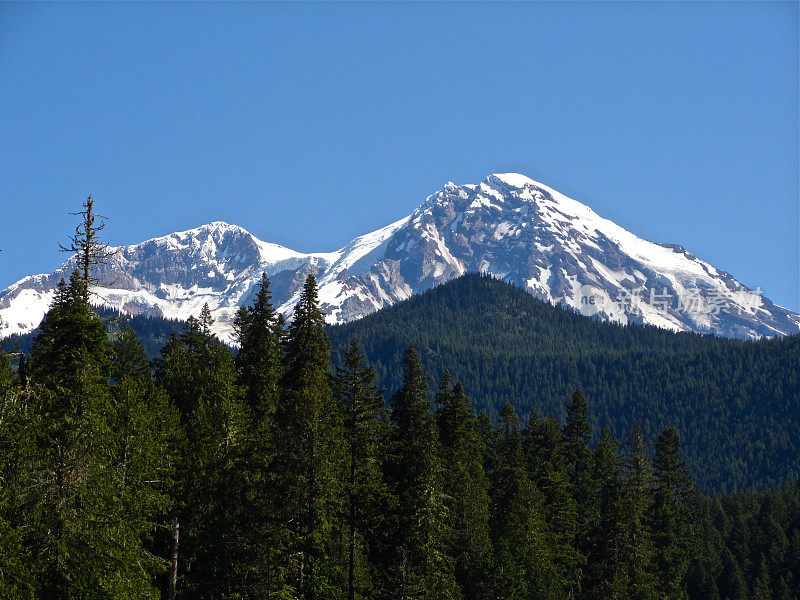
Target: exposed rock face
(508, 225)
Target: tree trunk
(173, 570)
(351, 575)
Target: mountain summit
(508, 225)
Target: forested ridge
(270, 473)
(727, 398)
(736, 404)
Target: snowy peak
(517, 180)
(508, 225)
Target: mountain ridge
(508, 225)
(733, 402)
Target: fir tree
(547, 466)
(16, 580)
(700, 583)
(84, 534)
(362, 406)
(637, 545)
(577, 435)
(466, 490)
(205, 321)
(761, 586)
(732, 585)
(145, 444)
(672, 515)
(251, 479)
(419, 566)
(198, 373)
(523, 551)
(606, 569)
(258, 361)
(309, 459)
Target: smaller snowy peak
(216, 230)
(222, 226)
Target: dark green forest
(276, 472)
(727, 398)
(736, 404)
(153, 332)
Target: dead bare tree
(86, 245)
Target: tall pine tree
(606, 574)
(577, 435)
(145, 450)
(258, 566)
(197, 371)
(362, 406)
(84, 534)
(309, 455)
(524, 553)
(637, 545)
(258, 362)
(672, 517)
(418, 565)
(466, 489)
(547, 466)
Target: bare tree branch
(89, 251)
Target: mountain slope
(735, 403)
(519, 230)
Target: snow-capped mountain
(508, 225)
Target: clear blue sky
(309, 124)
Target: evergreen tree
(251, 478)
(205, 321)
(198, 373)
(419, 566)
(258, 361)
(71, 339)
(547, 466)
(84, 535)
(362, 406)
(15, 577)
(672, 515)
(16, 580)
(762, 586)
(466, 490)
(700, 583)
(89, 251)
(637, 545)
(523, 552)
(577, 435)
(6, 374)
(309, 455)
(606, 569)
(731, 581)
(145, 443)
